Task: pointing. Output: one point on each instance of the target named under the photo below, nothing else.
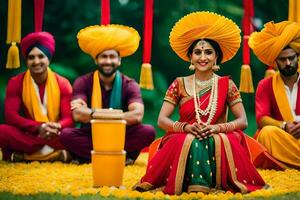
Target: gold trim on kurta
(182, 163)
(218, 160)
(231, 164)
(198, 188)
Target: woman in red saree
(201, 152)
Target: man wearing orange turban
(106, 87)
(278, 98)
(37, 106)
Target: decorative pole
(246, 83)
(38, 15)
(13, 33)
(146, 80)
(105, 12)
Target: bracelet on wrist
(179, 126)
(283, 125)
(93, 111)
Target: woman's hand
(201, 131)
(208, 130)
(193, 129)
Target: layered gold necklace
(211, 108)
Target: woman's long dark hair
(215, 46)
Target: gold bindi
(202, 44)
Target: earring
(215, 67)
(192, 66)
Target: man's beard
(288, 70)
(107, 74)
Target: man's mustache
(289, 66)
(108, 65)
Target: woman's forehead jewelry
(202, 44)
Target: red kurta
(20, 131)
(265, 102)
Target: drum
(108, 135)
(108, 168)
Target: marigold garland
(77, 180)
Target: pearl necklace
(212, 105)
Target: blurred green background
(64, 18)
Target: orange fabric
(96, 94)
(281, 98)
(205, 25)
(281, 145)
(96, 39)
(273, 38)
(153, 148)
(260, 157)
(32, 101)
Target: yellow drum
(108, 168)
(108, 135)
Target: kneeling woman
(201, 152)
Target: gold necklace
(204, 84)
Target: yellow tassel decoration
(13, 33)
(269, 72)
(13, 60)
(294, 13)
(246, 83)
(146, 80)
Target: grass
(43, 196)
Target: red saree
(234, 170)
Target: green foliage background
(64, 18)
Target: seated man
(37, 106)
(106, 87)
(278, 97)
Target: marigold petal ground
(35, 177)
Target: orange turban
(96, 39)
(205, 25)
(273, 38)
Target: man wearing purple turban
(37, 106)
